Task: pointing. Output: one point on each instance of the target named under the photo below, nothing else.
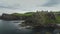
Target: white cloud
(11, 11)
(51, 3)
(22, 4)
(10, 6)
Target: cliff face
(11, 17)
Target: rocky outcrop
(11, 17)
(42, 20)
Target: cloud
(52, 3)
(10, 6)
(11, 11)
(21, 4)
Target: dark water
(10, 27)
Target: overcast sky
(21, 6)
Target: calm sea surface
(12, 27)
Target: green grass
(58, 19)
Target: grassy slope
(58, 19)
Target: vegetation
(25, 14)
(38, 17)
(57, 14)
(38, 20)
(41, 20)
